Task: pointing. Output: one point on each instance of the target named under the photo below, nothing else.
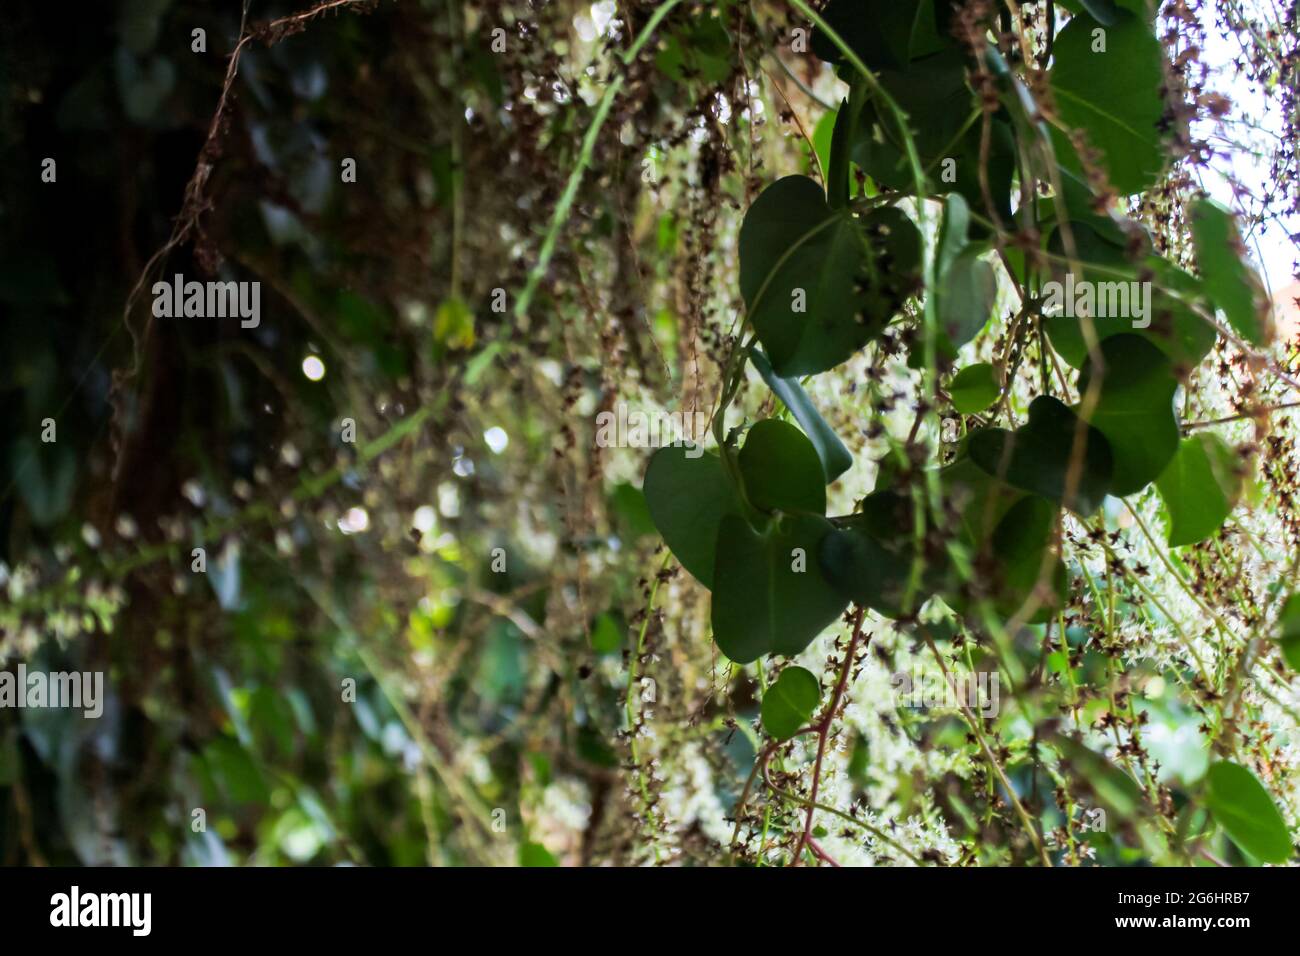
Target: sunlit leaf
(1200, 486)
(790, 702)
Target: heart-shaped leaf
(1131, 305)
(769, 596)
(1247, 813)
(934, 95)
(789, 702)
(781, 469)
(835, 458)
(967, 284)
(1200, 486)
(688, 493)
(1135, 410)
(1081, 206)
(819, 283)
(1037, 457)
(1107, 84)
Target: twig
(824, 729)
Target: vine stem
(759, 763)
(820, 853)
(1254, 412)
(824, 731)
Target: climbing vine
(967, 157)
(981, 544)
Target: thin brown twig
(824, 729)
(193, 205)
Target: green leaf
(974, 388)
(869, 557)
(790, 702)
(607, 633)
(838, 176)
(1002, 168)
(1288, 631)
(1179, 332)
(534, 854)
(979, 500)
(1200, 486)
(1135, 410)
(1231, 285)
(819, 283)
(234, 769)
(933, 94)
(628, 503)
(1246, 812)
(769, 596)
(1103, 11)
(796, 253)
(702, 49)
(590, 745)
(835, 458)
(878, 31)
(938, 101)
(1113, 97)
(688, 497)
(1010, 537)
(1171, 326)
(866, 571)
(1022, 556)
(967, 284)
(966, 296)
(781, 469)
(952, 233)
(1081, 207)
(822, 138)
(1037, 456)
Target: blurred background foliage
(327, 562)
(455, 640)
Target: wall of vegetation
(961, 569)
